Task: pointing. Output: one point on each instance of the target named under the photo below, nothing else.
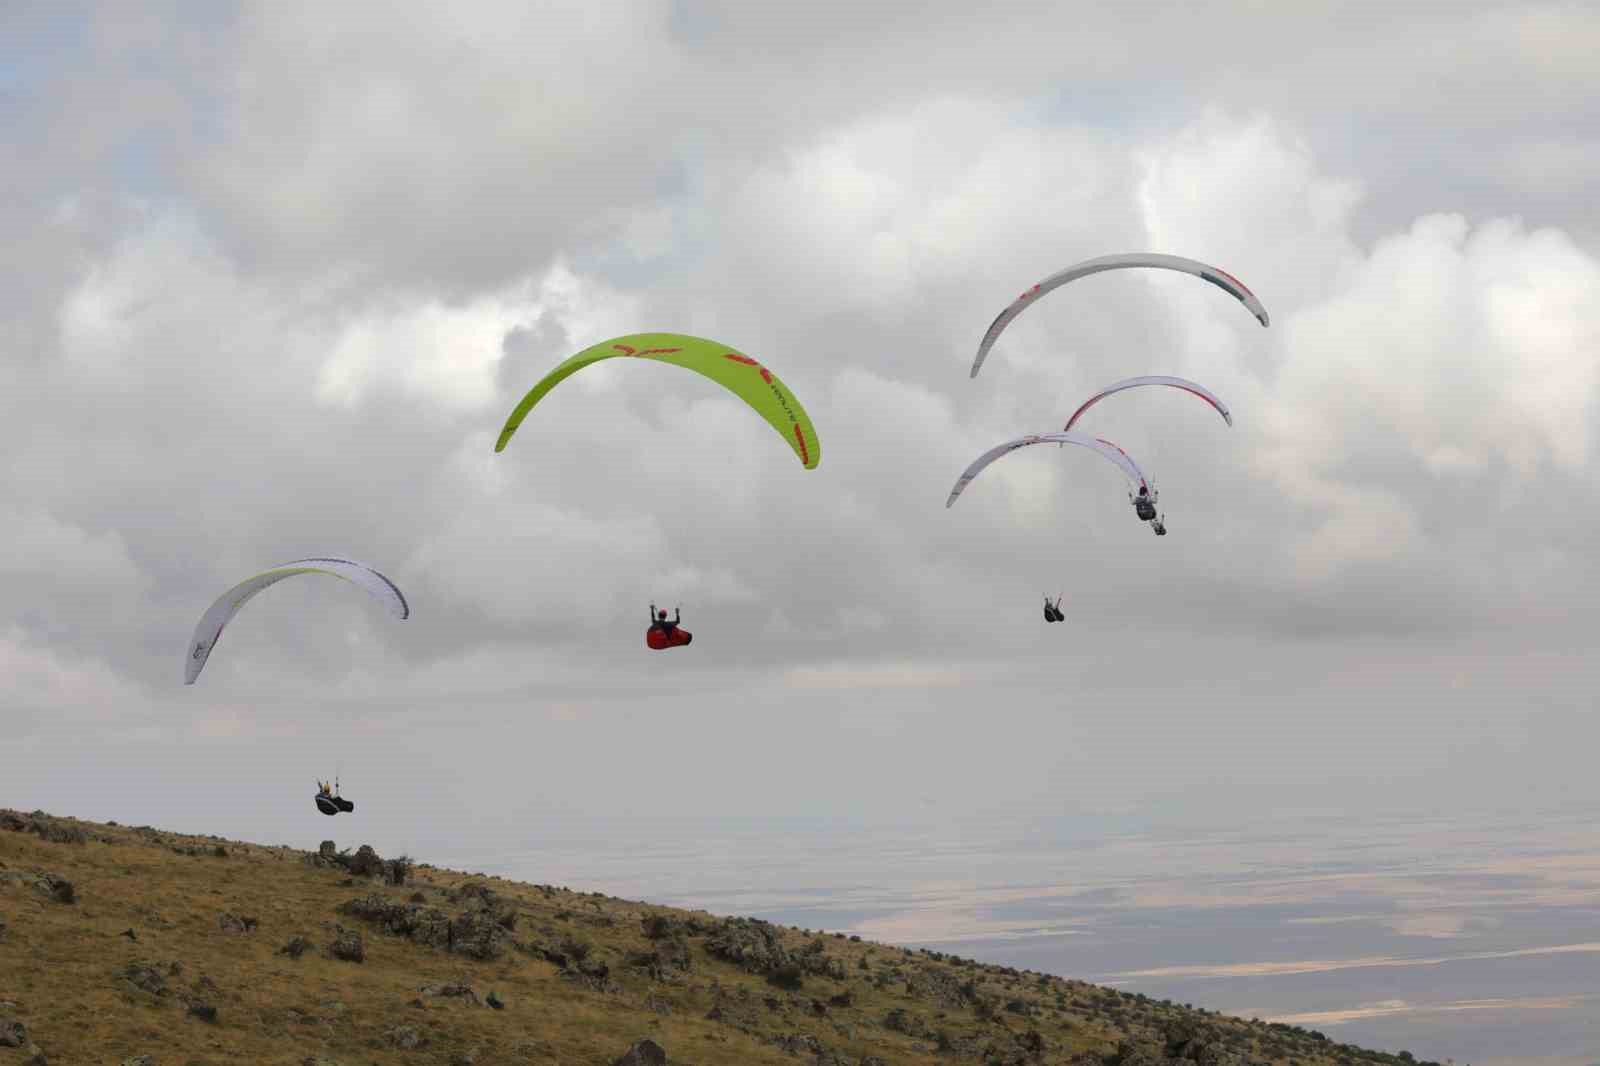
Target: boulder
(232, 923)
(642, 1053)
(145, 976)
(295, 947)
(347, 945)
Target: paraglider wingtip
(1262, 318)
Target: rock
(347, 945)
(55, 887)
(405, 1037)
(464, 992)
(661, 926)
(327, 854)
(47, 828)
(36, 1056)
(365, 862)
(232, 923)
(130, 934)
(801, 1044)
(479, 934)
(13, 1033)
(144, 976)
(495, 1001)
(139, 1060)
(295, 947)
(749, 943)
(643, 1053)
(664, 957)
(470, 890)
(203, 1010)
(395, 871)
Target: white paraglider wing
(1123, 460)
(1218, 277)
(1133, 383)
(209, 629)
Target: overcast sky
(276, 273)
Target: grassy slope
(60, 965)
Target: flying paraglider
(1105, 448)
(209, 629)
(740, 374)
(664, 634)
(329, 801)
(1220, 278)
(1131, 383)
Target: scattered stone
(494, 1000)
(295, 947)
(233, 923)
(405, 1037)
(478, 933)
(365, 862)
(800, 1044)
(144, 976)
(130, 934)
(643, 1053)
(452, 991)
(139, 1060)
(12, 1033)
(55, 887)
(203, 1010)
(661, 926)
(347, 945)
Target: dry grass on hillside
(172, 947)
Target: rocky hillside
(145, 948)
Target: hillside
(139, 947)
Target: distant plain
(1472, 938)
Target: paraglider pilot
(1052, 611)
(329, 801)
(658, 619)
(1160, 526)
(1144, 505)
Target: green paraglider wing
(738, 373)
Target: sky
(276, 273)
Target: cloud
(279, 300)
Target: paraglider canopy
(1104, 448)
(734, 371)
(209, 629)
(1215, 275)
(1133, 383)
